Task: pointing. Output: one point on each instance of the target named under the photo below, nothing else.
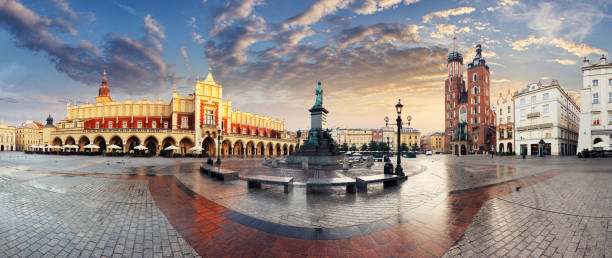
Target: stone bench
(387, 180)
(256, 181)
(348, 182)
(219, 173)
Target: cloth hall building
(200, 119)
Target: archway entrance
(269, 149)
(250, 149)
(101, 143)
(82, 142)
(185, 144)
(208, 146)
(70, 141)
(501, 147)
(278, 149)
(132, 142)
(285, 149)
(260, 149)
(463, 149)
(226, 148)
(456, 149)
(509, 147)
(57, 141)
(151, 143)
(238, 148)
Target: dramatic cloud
(318, 10)
(447, 13)
(562, 61)
(443, 30)
(577, 49)
(133, 65)
(233, 11)
(373, 6)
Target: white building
(596, 115)
(7, 137)
(505, 123)
(547, 113)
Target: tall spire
(454, 43)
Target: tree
(404, 147)
(364, 147)
(373, 146)
(415, 147)
(344, 147)
(383, 147)
(353, 148)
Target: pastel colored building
(596, 105)
(201, 118)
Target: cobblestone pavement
(569, 215)
(57, 215)
(165, 207)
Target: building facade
(596, 105)
(436, 142)
(505, 123)
(354, 136)
(27, 134)
(411, 137)
(200, 119)
(469, 120)
(546, 120)
(7, 137)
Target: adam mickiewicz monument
(319, 148)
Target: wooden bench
(219, 173)
(348, 182)
(256, 181)
(387, 180)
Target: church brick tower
(469, 120)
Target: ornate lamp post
(219, 146)
(398, 107)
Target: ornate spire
(104, 91)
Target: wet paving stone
(449, 206)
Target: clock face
(462, 114)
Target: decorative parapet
(534, 127)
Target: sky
(269, 55)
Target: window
(595, 98)
(534, 109)
(139, 124)
(110, 124)
(610, 82)
(523, 101)
(97, 125)
(154, 124)
(209, 117)
(595, 82)
(166, 124)
(124, 124)
(501, 111)
(508, 119)
(596, 118)
(610, 118)
(475, 77)
(501, 120)
(184, 122)
(76, 124)
(545, 96)
(533, 99)
(610, 97)
(545, 109)
(523, 113)
(509, 110)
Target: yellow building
(7, 137)
(352, 136)
(197, 119)
(436, 142)
(27, 134)
(410, 137)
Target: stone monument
(319, 147)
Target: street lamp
(219, 146)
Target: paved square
(449, 206)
